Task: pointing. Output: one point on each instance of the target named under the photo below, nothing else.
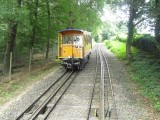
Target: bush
(116, 47)
(146, 43)
(122, 38)
(145, 71)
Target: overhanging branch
(139, 21)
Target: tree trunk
(157, 29)
(49, 29)
(157, 22)
(34, 26)
(130, 32)
(129, 40)
(12, 31)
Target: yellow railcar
(74, 47)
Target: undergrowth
(144, 70)
(119, 48)
(23, 80)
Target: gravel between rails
(12, 109)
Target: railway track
(76, 104)
(107, 97)
(106, 108)
(39, 106)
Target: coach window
(77, 40)
(66, 39)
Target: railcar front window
(77, 40)
(72, 39)
(67, 39)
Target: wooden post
(52, 51)
(44, 50)
(10, 69)
(30, 60)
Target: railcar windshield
(72, 39)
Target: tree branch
(139, 21)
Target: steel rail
(102, 108)
(111, 88)
(44, 104)
(31, 106)
(95, 77)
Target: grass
(144, 70)
(119, 48)
(21, 81)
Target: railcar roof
(71, 29)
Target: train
(74, 48)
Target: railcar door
(77, 46)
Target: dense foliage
(104, 35)
(146, 43)
(32, 25)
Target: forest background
(28, 27)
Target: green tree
(104, 35)
(136, 11)
(12, 31)
(96, 38)
(32, 24)
(136, 8)
(49, 28)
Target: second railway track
(103, 92)
(108, 108)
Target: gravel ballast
(12, 109)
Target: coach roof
(72, 29)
